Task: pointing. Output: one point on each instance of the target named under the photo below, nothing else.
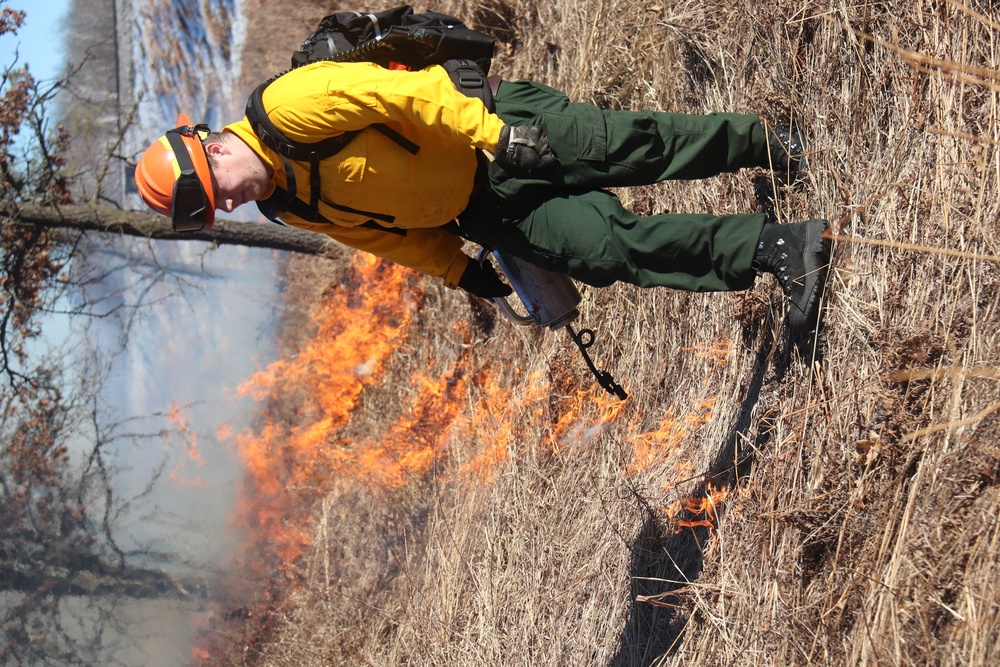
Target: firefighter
(530, 179)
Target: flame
(290, 459)
(190, 456)
(411, 445)
(289, 466)
(717, 351)
(655, 447)
(495, 419)
(460, 418)
(358, 331)
(702, 510)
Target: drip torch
(550, 300)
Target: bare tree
(60, 553)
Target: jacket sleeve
(429, 250)
(326, 98)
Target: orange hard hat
(174, 178)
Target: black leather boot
(787, 152)
(798, 256)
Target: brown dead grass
(861, 525)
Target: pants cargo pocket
(592, 133)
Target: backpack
(396, 39)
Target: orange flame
(409, 448)
(463, 417)
(718, 351)
(702, 510)
(190, 454)
(289, 461)
(654, 447)
(360, 330)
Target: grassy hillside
(432, 486)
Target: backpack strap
(282, 200)
(468, 77)
(313, 153)
(470, 80)
(274, 139)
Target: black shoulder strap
(280, 202)
(274, 139)
(470, 79)
(312, 153)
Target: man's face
(238, 174)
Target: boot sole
(816, 261)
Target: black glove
(481, 279)
(524, 149)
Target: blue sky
(37, 37)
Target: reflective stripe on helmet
(173, 162)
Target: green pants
(565, 221)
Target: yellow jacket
(372, 172)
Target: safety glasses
(190, 201)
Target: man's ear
(216, 148)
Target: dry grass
(862, 468)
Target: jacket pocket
(352, 161)
(591, 133)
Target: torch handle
(585, 339)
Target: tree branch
(152, 226)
